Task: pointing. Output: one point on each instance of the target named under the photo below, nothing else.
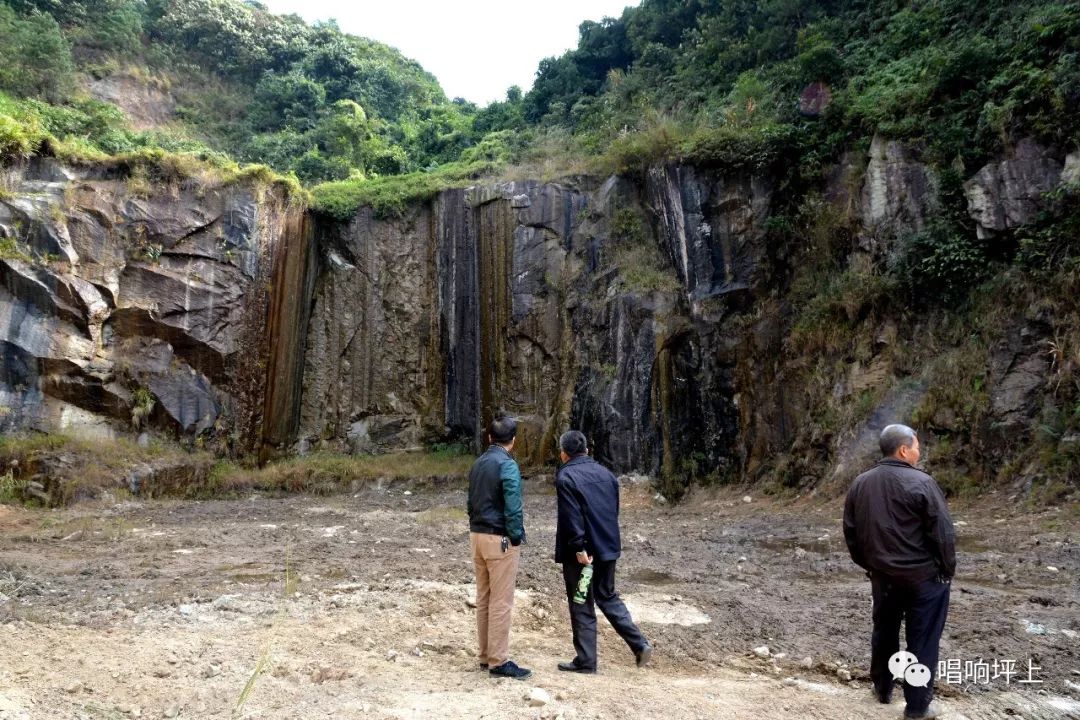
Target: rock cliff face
(226, 314)
(119, 310)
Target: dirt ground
(358, 606)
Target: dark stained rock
(712, 226)
(247, 323)
(186, 397)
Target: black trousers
(923, 608)
(583, 617)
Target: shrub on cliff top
(391, 196)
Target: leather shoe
(644, 655)
(574, 667)
(509, 669)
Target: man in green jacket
(496, 532)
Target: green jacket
(495, 498)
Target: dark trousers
(583, 617)
(923, 608)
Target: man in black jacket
(496, 531)
(588, 534)
(898, 529)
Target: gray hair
(572, 442)
(894, 437)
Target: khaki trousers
(496, 574)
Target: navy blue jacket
(588, 511)
(495, 501)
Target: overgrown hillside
(220, 78)
(790, 82)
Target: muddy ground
(357, 606)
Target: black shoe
(574, 667)
(883, 697)
(483, 666)
(644, 655)
(509, 670)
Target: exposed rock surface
(114, 306)
(1009, 192)
(147, 103)
(898, 193)
(225, 313)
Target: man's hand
(584, 558)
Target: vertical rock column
(294, 271)
(495, 242)
(459, 314)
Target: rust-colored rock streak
(294, 272)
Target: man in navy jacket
(588, 534)
(898, 528)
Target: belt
(486, 529)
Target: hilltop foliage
(703, 80)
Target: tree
(282, 101)
(35, 59)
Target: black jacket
(588, 511)
(495, 499)
(897, 525)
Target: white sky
(476, 48)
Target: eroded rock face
(113, 304)
(222, 313)
(1008, 193)
(898, 193)
(507, 297)
(712, 227)
(146, 103)
(1019, 371)
(372, 359)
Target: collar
(498, 448)
(577, 460)
(893, 462)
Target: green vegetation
(257, 87)
(713, 83)
(10, 488)
(391, 196)
(960, 77)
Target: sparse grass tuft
(249, 687)
(643, 268)
(329, 472)
(442, 515)
(11, 250)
